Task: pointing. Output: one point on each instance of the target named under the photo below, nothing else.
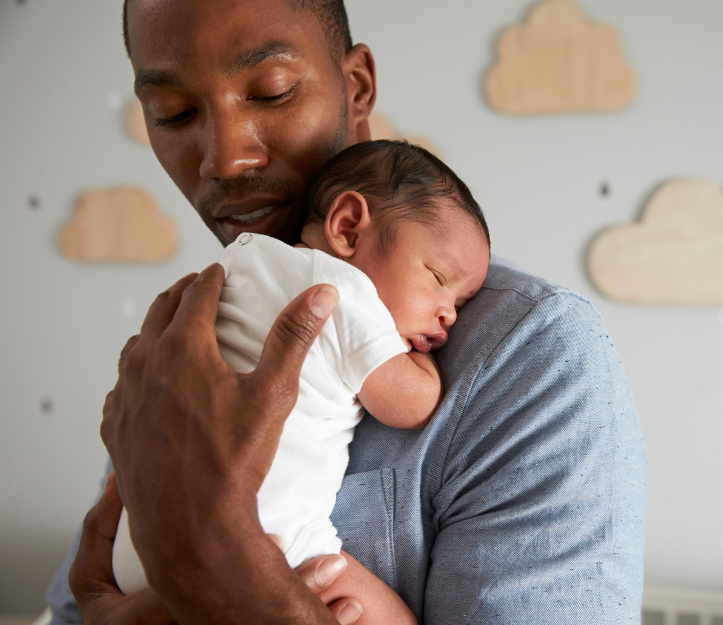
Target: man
(523, 501)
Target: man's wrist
(233, 574)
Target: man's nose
(231, 144)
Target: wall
(63, 73)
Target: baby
(405, 244)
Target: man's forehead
(207, 18)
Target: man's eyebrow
(246, 60)
(249, 59)
(154, 78)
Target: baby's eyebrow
(453, 262)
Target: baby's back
(262, 276)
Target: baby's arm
(404, 392)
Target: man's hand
(192, 440)
(91, 576)
(101, 602)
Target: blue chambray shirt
(523, 501)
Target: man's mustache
(241, 187)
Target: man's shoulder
(513, 307)
(505, 275)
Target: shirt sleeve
(365, 331)
(541, 514)
(59, 598)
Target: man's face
(244, 102)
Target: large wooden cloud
(559, 62)
(673, 256)
(118, 225)
(136, 123)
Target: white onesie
(299, 493)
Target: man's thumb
(294, 332)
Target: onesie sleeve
(366, 334)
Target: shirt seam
(542, 297)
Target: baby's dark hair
(398, 180)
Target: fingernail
(329, 570)
(350, 613)
(324, 301)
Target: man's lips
(252, 217)
(263, 216)
(424, 343)
(249, 210)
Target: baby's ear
(347, 220)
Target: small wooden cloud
(673, 256)
(120, 225)
(558, 62)
(381, 128)
(136, 123)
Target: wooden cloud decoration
(559, 62)
(673, 256)
(136, 123)
(382, 128)
(118, 225)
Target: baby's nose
(447, 316)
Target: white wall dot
(115, 101)
(128, 307)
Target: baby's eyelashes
(440, 278)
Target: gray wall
(62, 74)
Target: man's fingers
(109, 509)
(96, 542)
(292, 335)
(164, 307)
(127, 349)
(320, 572)
(199, 302)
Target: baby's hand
(319, 574)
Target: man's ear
(348, 219)
(361, 88)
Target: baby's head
(400, 215)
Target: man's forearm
(239, 576)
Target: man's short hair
(398, 180)
(330, 13)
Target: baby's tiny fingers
(318, 573)
(346, 611)
(276, 539)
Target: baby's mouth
(426, 343)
